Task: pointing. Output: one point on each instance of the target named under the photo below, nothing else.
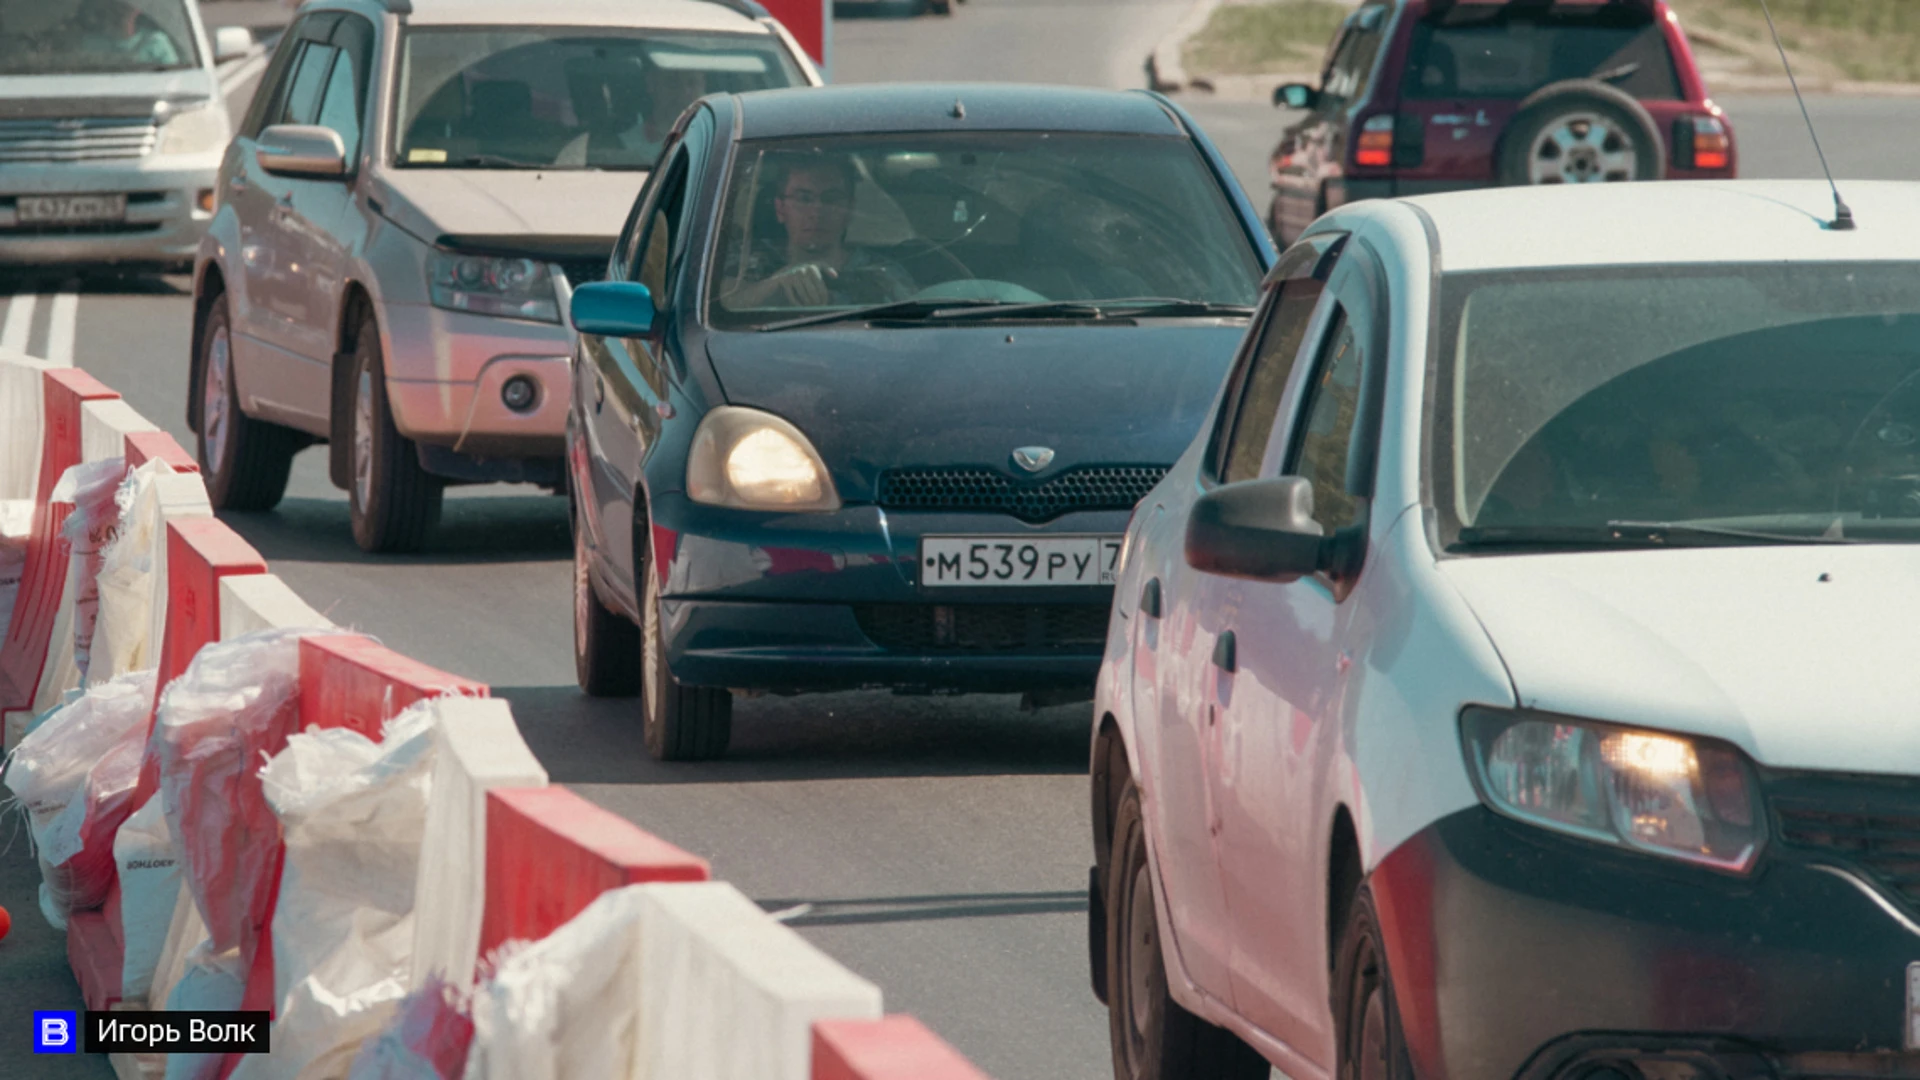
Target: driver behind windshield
(807, 262)
(114, 26)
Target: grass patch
(1277, 37)
(1873, 40)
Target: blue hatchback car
(874, 382)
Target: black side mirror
(1260, 529)
(1295, 96)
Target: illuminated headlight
(487, 285)
(1669, 795)
(196, 128)
(751, 460)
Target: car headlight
(1683, 798)
(491, 285)
(751, 460)
(193, 128)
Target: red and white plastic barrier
(508, 865)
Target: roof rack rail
(748, 8)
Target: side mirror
(618, 309)
(231, 43)
(1295, 96)
(1259, 529)
(301, 150)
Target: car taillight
(1703, 143)
(1375, 148)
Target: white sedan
(1519, 677)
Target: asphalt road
(942, 842)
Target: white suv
(1516, 679)
(409, 200)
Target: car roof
(852, 110)
(1680, 221)
(647, 14)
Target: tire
(1153, 1038)
(393, 502)
(606, 646)
(1371, 1045)
(245, 461)
(1600, 122)
(678, 723)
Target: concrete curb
(1166, 72)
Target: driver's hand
(805, 285)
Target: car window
(340, 105)
(1771, 397)
(302, 104)
(1324, 446)
(1257, 397)
(553, 98)
(662, 230)
(94, 37)
(811, 225)
(1509, 51)
(1351, 73)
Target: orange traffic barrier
(891, 1048)
(550, 853)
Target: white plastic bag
(149, 870)
(128, 577)
(237, 702)
(73, 773)
(94, 521)
(351, 813)
(567, 1005)
(427, 1039)
(214, 982)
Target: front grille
(1870, 824)
(1093, 487)
(40, 140)
(1073, 629)
(584, 271)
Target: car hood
(497, 207)
(1803, 656)
(89, 95)
(872, 399)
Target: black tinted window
(303, 97)
(1488, 51)
(1258, 406)
(1325, 443)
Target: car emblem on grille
(1033, 458)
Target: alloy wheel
(215, 415)
(1582, 148)
(363, 439)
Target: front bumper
(164, 221)
(445, 372)
(1517, 953)
(804, 602)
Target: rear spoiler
(1522, 7)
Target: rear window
(1511, 50)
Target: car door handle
(236, 183)
(1150, 599)
(1223, 653)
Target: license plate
(1913, 1006)
(70, 209)
(1018, 561)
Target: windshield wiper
(1134, 308)
(1620, 72)
(893, 309)
(1646, 534)
(495, 161)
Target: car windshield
(1733, 402)
(1509, 51)
(1023, 219)
(555, 98)
(94, 37)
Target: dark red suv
(1419, 96)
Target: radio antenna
(1842, 214)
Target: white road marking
(66, 319)
(19, 322)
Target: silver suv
(402, 216)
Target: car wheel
(393, 502)
(1372, 1045)
(606, 646)
(679, 723)
(1153, 1037)
(244, 461)
(1581, 132)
